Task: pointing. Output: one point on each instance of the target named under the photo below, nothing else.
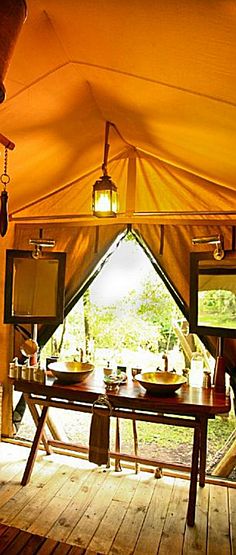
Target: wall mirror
(34, 288)
(213, 294)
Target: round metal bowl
(71, 372)
(160, 383)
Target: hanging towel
(100, 431)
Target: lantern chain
(5, 179)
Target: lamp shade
(105, 198)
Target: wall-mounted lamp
(216, 240)
(39, 244)
(105, 198)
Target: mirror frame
(9, 318)
(195, 258)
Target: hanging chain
(5, 179)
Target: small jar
(35, 374)
(206, 378)
(39, 375)
(25, 372)
(12, 373)
(18, 371)
(31, 373)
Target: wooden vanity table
(189, 407)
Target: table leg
(203, 451)
(135, 436)
(193, 480)
(35, 415)
(117, 446)
(34, 448)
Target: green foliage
(120, 327)
(158, 307)
(142, 319)
(215, 302)
(219, 430)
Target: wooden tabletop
(187, 400)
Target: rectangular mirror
(213, 294)
(34, 288)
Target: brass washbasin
(71, 372)
(160, 383)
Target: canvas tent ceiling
(163, 72)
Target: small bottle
(206, 378)
(25, 372)
(18, 371)
(35, 374)
(196, 370)
(11, 372)
(13, 368)
(31, 373)
(42, 375)
(39, 375)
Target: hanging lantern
(105, 198)
(12, 16)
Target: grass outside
(218, 432)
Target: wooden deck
(100, 511)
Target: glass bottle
(196, 370)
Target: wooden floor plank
(11, 506)
(110, 523)
(232, 518)
(47, 547)
(75, 550)
(3, 528)
(15, 504)
(150, 534)
(24, 518)
(66, 524)
(47, 517)
(86, 510)
(218, 526)
(89, 521)
(61, 549)
(72, 485)
(175, 523)
(129, 530)
(9, 489)
(6, 450)
(195, 539)
(7, 538)
(9, 471)
(24, 543)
